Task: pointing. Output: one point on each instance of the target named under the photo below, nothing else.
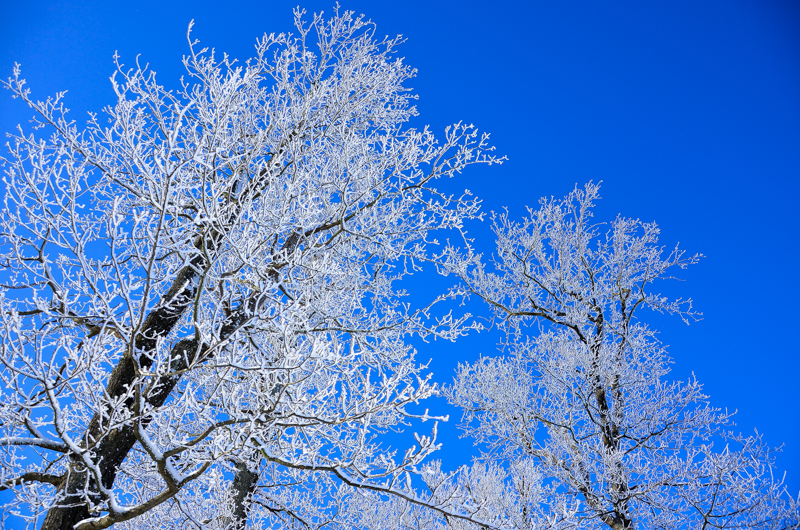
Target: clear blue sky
(688, 111)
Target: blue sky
(688, 111)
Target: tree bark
(112, 447)
(243, 489)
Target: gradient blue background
(688, 111)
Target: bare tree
(580, 396)
(201, 324)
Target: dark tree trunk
(109, 449)
(243, 489)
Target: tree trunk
(112, 448)
(243, 489)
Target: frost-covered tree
(581, 399)
(201, 325)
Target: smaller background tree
(580, 395)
